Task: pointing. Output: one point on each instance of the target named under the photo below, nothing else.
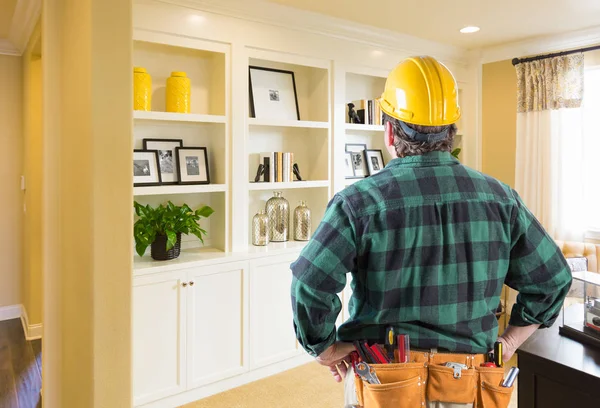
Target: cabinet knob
(192, 283)
(184, 284)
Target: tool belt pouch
(490, 393)
(402, 386)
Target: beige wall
(499, 120)
(31, 286)
(11, 197)
(87, 198)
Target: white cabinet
(158, 336)
(272, 336)
(215, 323)
(187, 329)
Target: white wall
(11, 198)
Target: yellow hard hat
(421, 91)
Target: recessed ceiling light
(469, 29)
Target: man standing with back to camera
(428, 241)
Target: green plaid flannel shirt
(429, 243)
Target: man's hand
(335, 358)
(513, 337)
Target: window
(591, 151)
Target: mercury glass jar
(278, 211)
(302, 226)
(260, 229)
(142, 89)
(178, 93)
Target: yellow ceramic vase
(142, 89)
(178, 93)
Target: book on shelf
(278, 166)
(368, 111)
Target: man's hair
(407, 147)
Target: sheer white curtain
(549, 163)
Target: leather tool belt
(426, 378)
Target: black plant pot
(158, 249)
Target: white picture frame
(273, 94)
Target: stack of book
(278, 167)
(368, 111)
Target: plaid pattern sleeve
(319, 274)
(537, 270)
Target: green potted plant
(456, 152)
(161, 228)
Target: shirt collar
(426, 160)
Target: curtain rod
(517, 61)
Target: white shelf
(277, 247)
(364, 128)
(178, 117)
(179, 189)
(288, 123)
(288, 186)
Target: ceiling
(7, 9)
(440, 20)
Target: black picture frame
(181, 176)
(175, 164)
(156, 166)
(359, 148)
(370, 167)
(279, 71)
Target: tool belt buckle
(457, 367)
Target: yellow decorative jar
(142, 89)
(178, 93)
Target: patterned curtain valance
(551, 83)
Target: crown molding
(274, 14)
(7, 48)
(27, 13)
(542, 45)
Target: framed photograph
(374, 161)
(359, 164)
(166, 157)
(146, 171)
(273, 94)
(192, 165)
(349, 173)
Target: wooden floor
(20, 367)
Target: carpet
(307, 386)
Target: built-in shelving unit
(177, 117)
(288, 186)
(357, 127)
(288, 123)
(179, 189)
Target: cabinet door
(158, 336)
(215, 322)
(272, 336)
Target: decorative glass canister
(260, 229)
(302, 227)
(178, 93)
(142, 89)
(278, 211)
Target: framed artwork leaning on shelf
(192, 165)
(167, 158)
(146, 170)
(273, 94)
(375, 161)
(358, 162)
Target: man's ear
(389, 135)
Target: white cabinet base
(228, 384)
